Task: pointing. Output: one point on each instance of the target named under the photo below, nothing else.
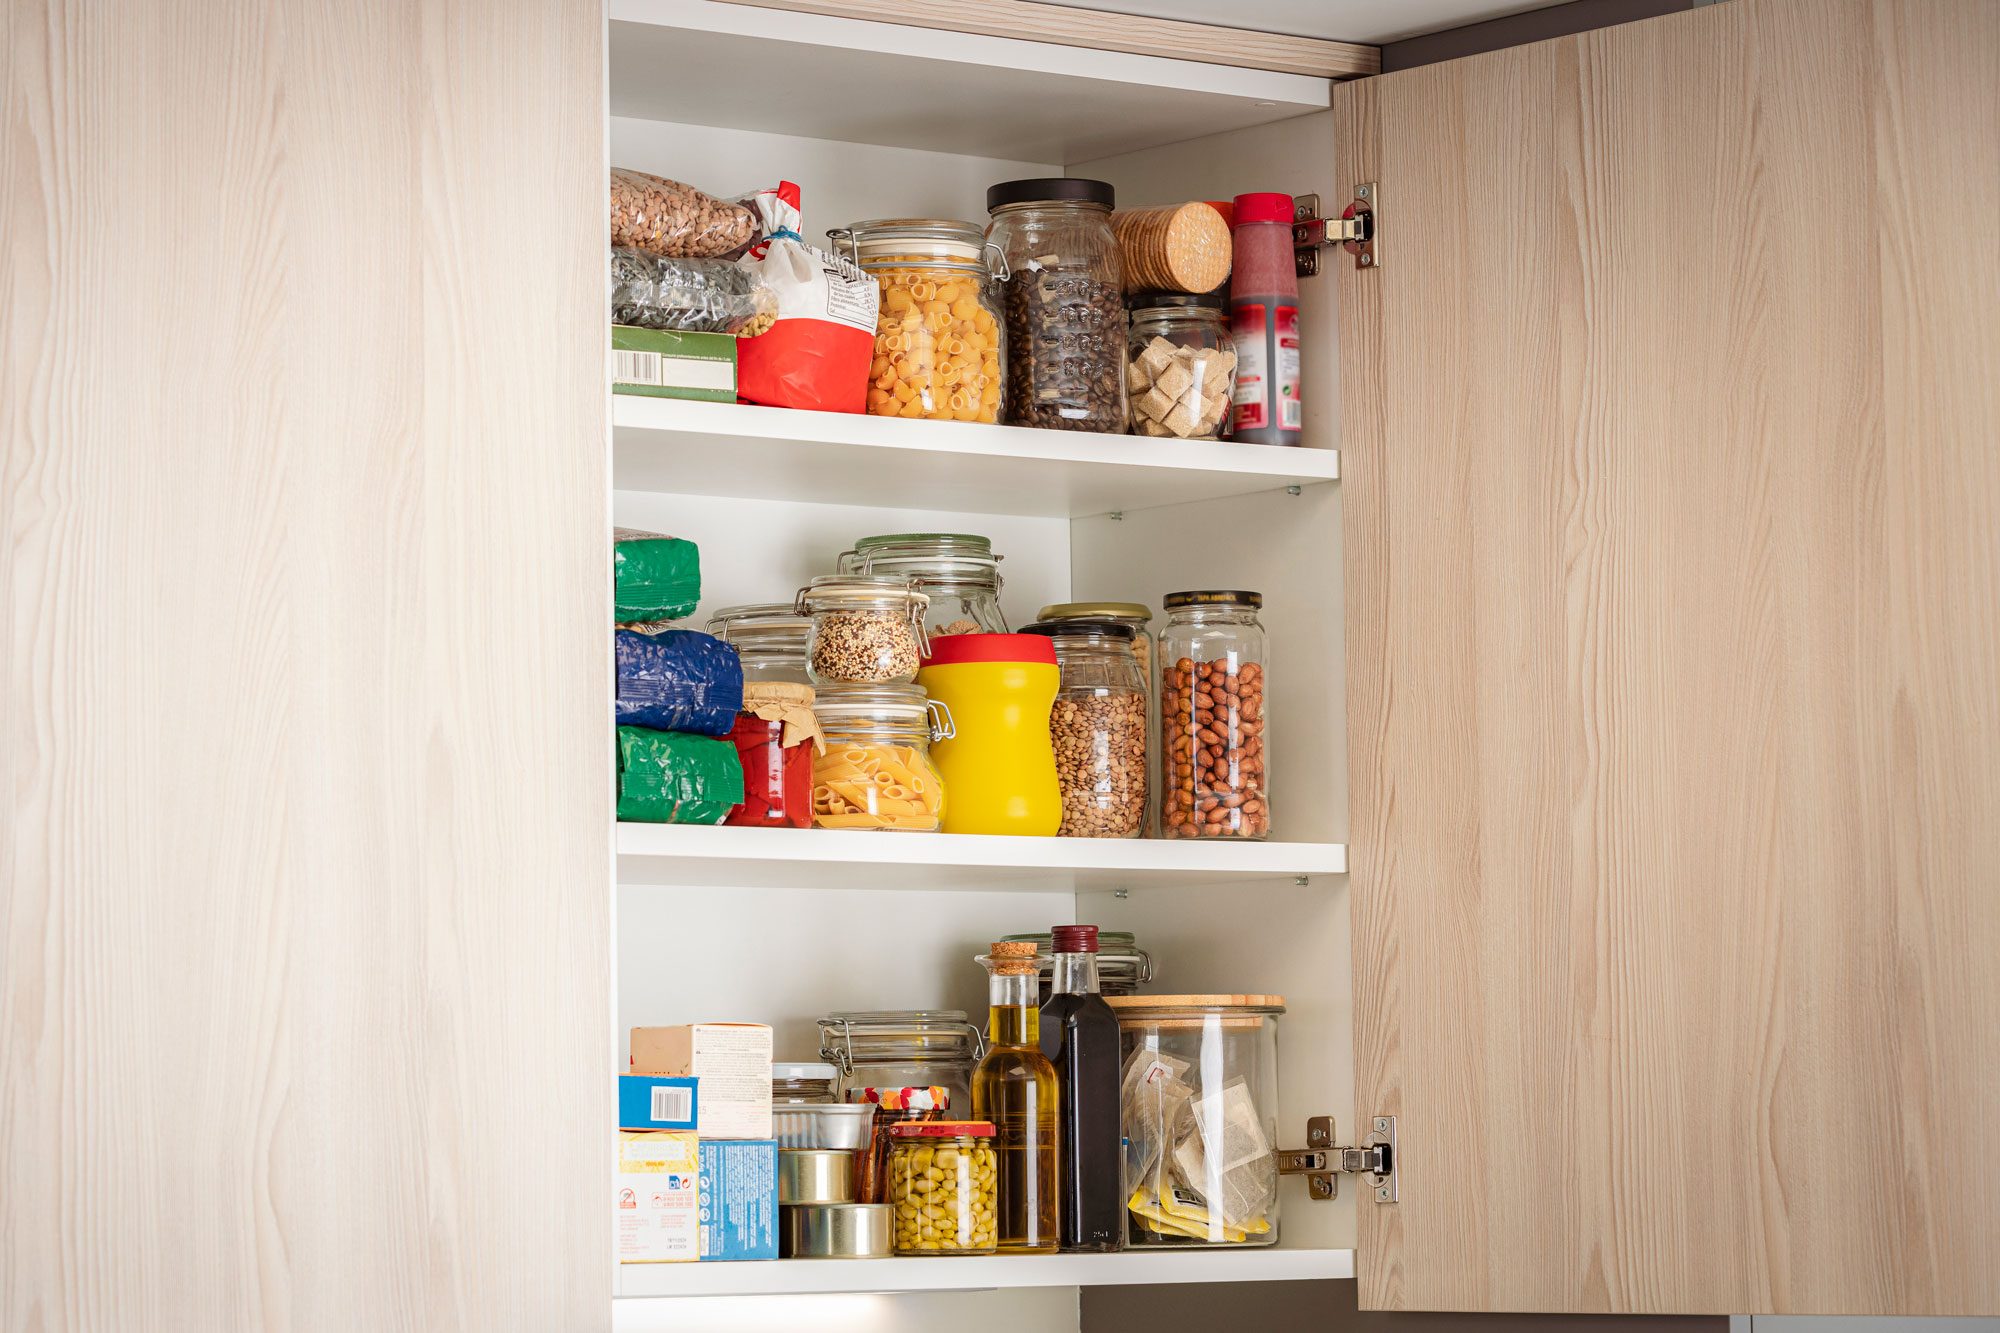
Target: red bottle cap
(1074, 939)
(1263, 208)
(952, 649)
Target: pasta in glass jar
(876, 770)
(939, 332)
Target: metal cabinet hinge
(1322, 1162)
(1354, 230)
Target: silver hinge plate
(1353, 230)
(1322, 1162)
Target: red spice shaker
(1264, 322)
(775, 736)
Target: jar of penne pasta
(876, 770)
(939, 335)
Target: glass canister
(1144, 647)
(776, 736)
(941, 1184)
(867, 629)
(1182, 366)
(938, 331)
(898, 1048)
(769, 637)
(1098, 728)
(1062, 287)
(1122, 966)
(1213, 762)
(1200, 1108)
(956, 570)
(876, 770)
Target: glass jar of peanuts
(867, 629)
(1098, 728)
(876, 770)
(1182, 369)
(939, 331)
(941, 1187)
(1212, 757)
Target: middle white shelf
(685, 854)
(773, 453)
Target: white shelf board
(634, 1313)
(773, 453)
(686, 854)
(698, 62)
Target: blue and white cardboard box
(739, 1199)
(648, 1101)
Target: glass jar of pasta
(769, 637)
(938, 332)
(867, 629)
(876, 770)
(956, 570)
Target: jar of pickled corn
(939, 348)
(942, 1181)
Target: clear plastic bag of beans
(689, 295)
(665, 217)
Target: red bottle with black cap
(1080, 1037)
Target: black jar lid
(1063, 629)
(1253, 600)
(1051, 189)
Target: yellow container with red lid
(999, 764)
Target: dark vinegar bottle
(1080, 1037)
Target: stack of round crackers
(1176, 248)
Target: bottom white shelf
(637, 1282)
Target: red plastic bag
(817, 354)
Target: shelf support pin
(1121, 893)
(1294, 490)
(1300, 880)
(1117, 516)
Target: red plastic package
(817, 354)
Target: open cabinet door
(1671, 469)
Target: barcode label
(671, 1103)
(629, 367)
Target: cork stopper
(1014, 958)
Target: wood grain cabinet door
(1671, 478)
(304, 737)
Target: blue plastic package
(678, 680)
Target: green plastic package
(673, 777)
(656, 577)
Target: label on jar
(1252, 366)
(1291, 412)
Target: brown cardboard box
(732, 1062)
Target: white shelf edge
(674, 445)
(647, 1292)
(694, 851)
(1305, 92)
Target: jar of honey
(939, 341)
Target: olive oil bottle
(1015, 1088)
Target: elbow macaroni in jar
(937, 345)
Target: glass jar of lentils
(1098, 728)
(1062, 288)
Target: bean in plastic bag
(654, 577)
(665, 217)
(666, 777)
(688, 295)
(678, 680)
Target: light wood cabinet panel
(304, 995)
(1670, 483)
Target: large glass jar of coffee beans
(1061, 285)
(1212, 720)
